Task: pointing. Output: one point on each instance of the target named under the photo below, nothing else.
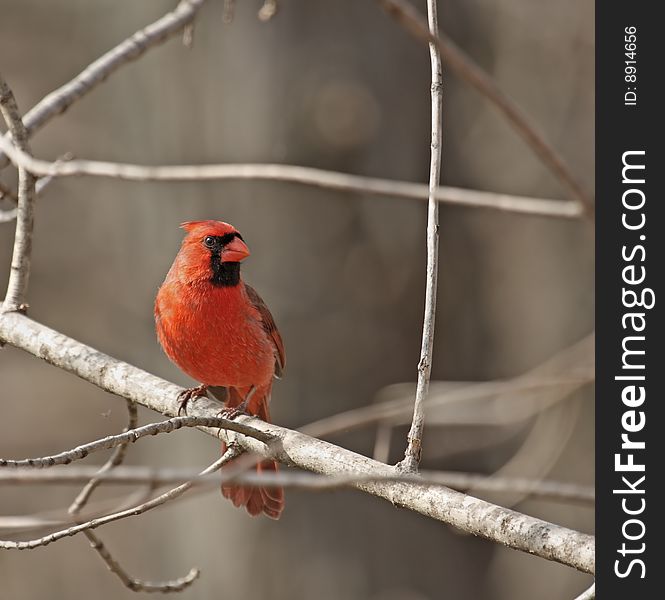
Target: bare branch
(172, 494)
(40, 186)
(544, 490)
(156, 33)
(467, 513)
(415, 437)
(60, 517)
(293, 174)
(469, 71)
(19, 274)
(138, 585)
(122, 439)
(44, 182)
(95, 73)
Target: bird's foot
(231, 413)
(190, 394)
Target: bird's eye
(209, 241)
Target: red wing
(270, 327)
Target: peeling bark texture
(464, 512)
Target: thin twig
(172, 494)
(293, 174)
(568, 369)
(138, 585)
(122, 439)
(514, 392)
(51, 518)
(42, 183)
(19, 274)
(544, 490)
(414, 440)
(459, 62)
(469, 514)
(95, 73)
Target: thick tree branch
(293, 174)
(128, 50)
(415, 436)
(467, 513)
(456, 60)
(19, 273)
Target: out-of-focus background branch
(336, 86)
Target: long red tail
(256, 500)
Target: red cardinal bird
(218, 330)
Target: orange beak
(235, 251)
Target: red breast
(205, 320)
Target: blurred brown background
(336, 85)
